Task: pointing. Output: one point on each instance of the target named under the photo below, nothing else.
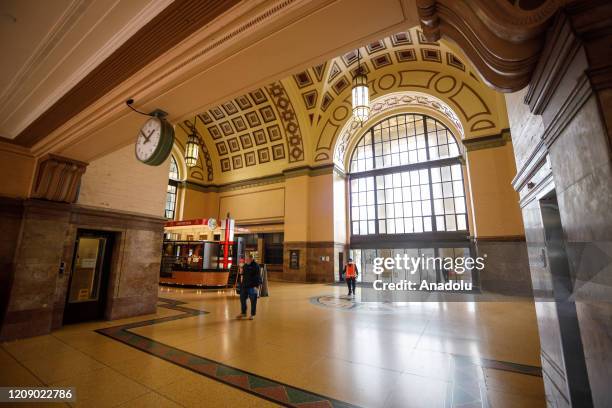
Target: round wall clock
(154, 141)
(212, 223)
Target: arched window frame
(429, 166)
(172, 191)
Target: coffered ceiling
(304, 119)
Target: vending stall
(200, 252)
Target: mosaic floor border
(266, 388)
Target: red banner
(195, 221)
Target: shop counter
(212, 278)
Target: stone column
(497, 226)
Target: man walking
(350, 272)
(249, 282)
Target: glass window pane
(404, 198)
(461, 222)
(371, 215)
(391, 226)
(438, 207)
(399, 225)
(440, 223)
(409, 227)
(450, 223)
(381, 211)
(418, 224)
(458, 188)
(460, 205)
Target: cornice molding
(570, 107)
(15, 149)
(502, 238)
(181, 19)
(188, 56)
(561, 47)
(265, 180)
(488, 142)
(97, 58)
(534, 162)
(502, 40)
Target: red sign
(195, 221)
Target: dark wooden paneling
(175, 23)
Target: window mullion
(426, 135)
(372, 147)
(431, 198)
(434, 227)
(374, 179)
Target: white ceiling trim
(67, 22)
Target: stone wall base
(42, 234)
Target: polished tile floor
(302, 349)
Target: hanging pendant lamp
(361, 94)
(192, 148)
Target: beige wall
(321, 208)
(253, 204)
(494, 201)
(340, 218)
(311, 207)
(197, 204)
(296, 202)
(17, 172)
(121, 182)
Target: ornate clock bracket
(158, 113)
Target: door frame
(105, 275)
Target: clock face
(148, 139)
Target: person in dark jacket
(249, 283)
(350, 273)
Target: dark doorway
(87, 289)
(340, 265)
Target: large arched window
(173, 178)
(406, 178)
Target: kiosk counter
(203, 262)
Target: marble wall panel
(506, 267)
(46, 236)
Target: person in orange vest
(350, 272)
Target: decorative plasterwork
(58, 179)
(384, 104)
(417, 65)
(179, 59)
(259, 127)
(289, 119)
(69, 32)
(502, 40)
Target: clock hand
(149, 135)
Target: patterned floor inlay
(262, 387)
